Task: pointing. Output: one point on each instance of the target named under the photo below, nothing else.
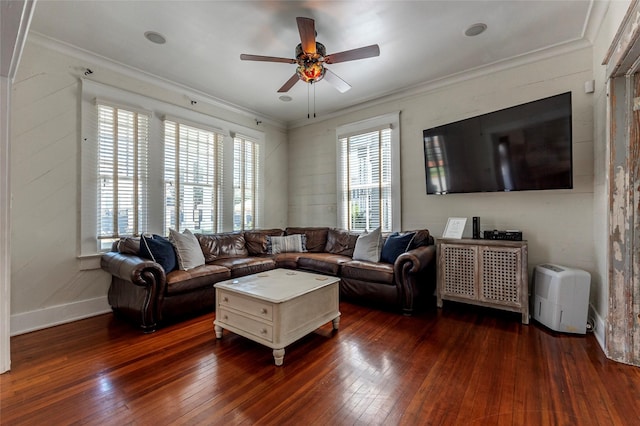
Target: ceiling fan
(311, 57)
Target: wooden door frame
(623, 243)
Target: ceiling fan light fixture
(285, 98)
(310, 72)
(155, 37)
(475, 29)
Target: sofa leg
(148, 329)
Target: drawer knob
(226, 317)
(225, 299)
(263, 331)
(264, 311)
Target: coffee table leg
(278, 356)
(336, 322)
(218, 330)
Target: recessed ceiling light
(285, 98)
(155, 37)
(475, 29)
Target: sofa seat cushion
(324, 263)
(368, 271)
(241, 266)
(287, 260)
(179, 281)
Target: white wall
(49, 284)
(600, 293)
(558, 224)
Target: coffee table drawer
(247, 325)
(252, 307)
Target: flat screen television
(522, 148)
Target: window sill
(90, 262)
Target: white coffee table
(277, 307)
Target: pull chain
(308, 103)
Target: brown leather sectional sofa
(143, 293)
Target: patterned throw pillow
(296, 243)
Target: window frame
(392, 121)
(258, 182)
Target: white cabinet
(491, 273)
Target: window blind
(123, 138)
(246, 191)
(365, 161)
(193, 178)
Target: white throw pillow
(187, 249)
(368, 246)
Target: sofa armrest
(415, 275)
(137, 287)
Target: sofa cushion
(316, 237)
(287, 260)
(325, 263)
(368, 246)
(395, 245)
(241, 266)
(128, 245)
(341, 242)
(368, 271)
(256, 240)
(160, 250)
(204, 276)
(421, 238)
(187, 248)
(216, 246)
(296, 243)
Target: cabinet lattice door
(460, 270)
(500, 275)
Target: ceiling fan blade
(352, 55)
(307, 29)
(333, 79)
(289, 84)
(246, 57)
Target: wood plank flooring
(461, 365)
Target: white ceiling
(420, 42)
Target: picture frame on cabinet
(455, 227)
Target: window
(193, 176)
(368, 175)
(122, 173)
(246, 169)
(147, 165)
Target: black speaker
(476, 228)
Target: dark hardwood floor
(458, 366)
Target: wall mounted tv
(522, 148)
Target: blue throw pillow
(160, 250)
(395, 245)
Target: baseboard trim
(55, 315)
(598, 328)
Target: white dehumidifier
(561, 298)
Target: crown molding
(138, 74)
(595, 16)
(436, 84)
